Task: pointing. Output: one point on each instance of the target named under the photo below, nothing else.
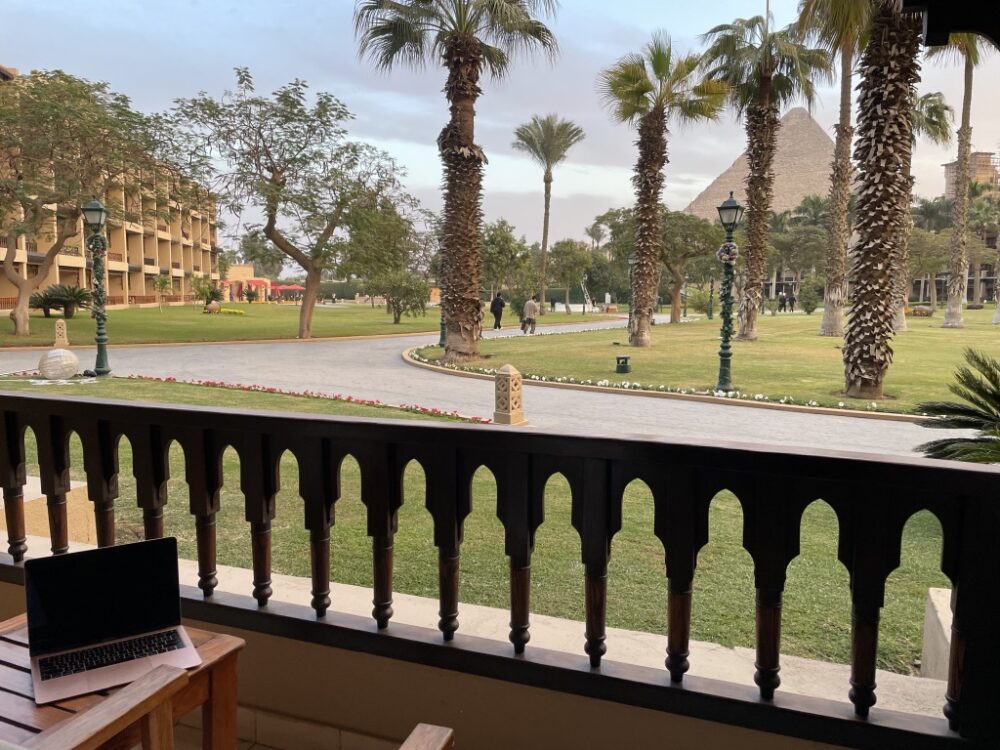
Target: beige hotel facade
(182, 248)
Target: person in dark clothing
(791, 301)
(496, 308)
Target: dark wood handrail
(873, 497)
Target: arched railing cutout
(414, 554)
(637, 588)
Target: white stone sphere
(58, 364)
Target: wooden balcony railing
(7, 303)
(161, 226)
(173, 298)
(116, 299)
(70, 250)
(149, 261)
(141, 299)
(31, 246)
(7, 242)
(196, 268)
(873, 498)
(119, 257)
(175, 264)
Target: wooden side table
(212, 685)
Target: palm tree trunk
(889, 71)
(958, 268)
(648, 183)
(837, 232)
(545, 235)
(977, 282)
(762, 125)
(932, 292)
(900, 273)
(463, 163)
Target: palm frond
(959, 47)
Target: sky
(157, 50)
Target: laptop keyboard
(50, 667)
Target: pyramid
(801, 167)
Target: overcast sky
(157, 50)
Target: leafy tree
(809, 294)
(570, 261)
(889, 71)
(841, 27)
(648, 90)
(205, 290)
(268, 261)
(933, 214)
(290, 159)
(501, 255)
(685, 238)
(547, 140)
(966, 48)
(405, 294)
(162, 285)
(811, 211)
(223, 260)
(801, 249)
(466, 37)
(978, 386)
(382, 237)
(765, 70)
(65, 141)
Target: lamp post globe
(95, 216)
(730, 213)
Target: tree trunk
(837, 231)
(762, 125)
(648, 184)
(675, 294)
(977, 282)
(19, 315)
(889, 71)
(463, 163)
(901, 270)
(313, 276)
(567, 299)
(932, 292)
(958, 268)
(545, 236)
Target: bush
(69, 298)
(45, 302)
(808, 299)
(697, 300)
(231, 311)
(405, 294)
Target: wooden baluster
(597, 519)
(449, 481)
(678, 627)
(53, 466)
(382, 495)
(956, 667)
(864, 651)
(203, 472)
(12, 479)
(316, 480)
(768, 662)
(260, 479)
(100, 458)
(520, 490)
(151, 467)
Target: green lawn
(817, 606)
(188, 323)
(789, 359)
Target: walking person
(781, 301)
(530, 312)
(496, 308)
(791, 301)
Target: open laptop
(104, 617)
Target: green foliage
(69, 298)
(44, 301)
(268, 262)
(799, 249)
(569, 261)
(205, 290)
(502, 256)
(697, 300)
(809, 295)
(979, 389)
(547, 139)
(405, 294)
(250, 294)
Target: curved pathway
(374, 369)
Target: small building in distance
(984, 168)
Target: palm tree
(547, 140)
(812, 211)
(779, 222)
(889, 71)
(980, 390)
(931, 118)
(468, 37)
(765, 70)
(648, 89)
(932, 214)
(984, 219)
(597, 233)
(964, 47)
(840, 25)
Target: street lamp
(730, 213)
(631, 291)
(95, 216)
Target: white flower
(840, 404)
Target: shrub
(231, 311)
(44, 301)
(405, 294)
(69, 297)
(808, 299)
(697, 300)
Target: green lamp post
(730, 213)
(95, 216)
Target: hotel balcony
(376, 677)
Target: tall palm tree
(931, 118)
(469, 37)
(547, 140)
(596, 232)
(964, 47)
(889, 71)
(765, 70)
(840, 25)
(647, 89)
(812, 211)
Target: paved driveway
(373, 369)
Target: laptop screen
(82, 598)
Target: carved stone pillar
(509, 405)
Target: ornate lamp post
(730, 213)
(94, 218)
(631, 291)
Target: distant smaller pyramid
(801, 167)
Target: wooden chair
(429, 737)
(146, 702)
